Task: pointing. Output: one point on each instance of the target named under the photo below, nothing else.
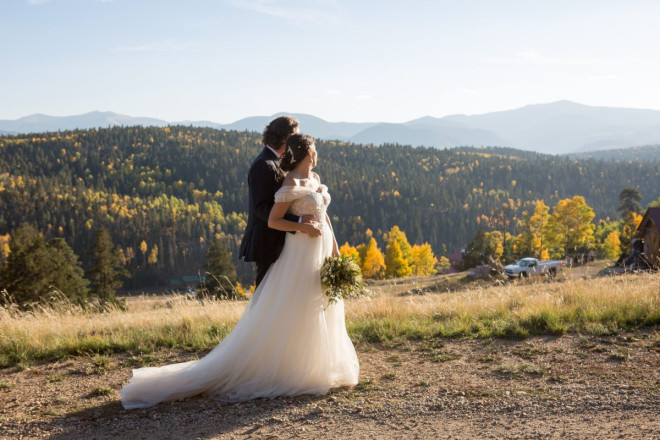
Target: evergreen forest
(166, 193)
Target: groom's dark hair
(278, 131)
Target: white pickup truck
(531, 266)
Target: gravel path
(539, 388)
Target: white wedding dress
(289, 341)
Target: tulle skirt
(289, 341)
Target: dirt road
(540, 388)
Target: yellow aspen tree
(494, 244)
(347, 250)
(395, 265)
(153, 255)
(612, 245)
(373, 264)
(399, 236)
(569, 228)
(143, 249)
(424, 260)
(537, 223)
(4, 248)
(444, 263)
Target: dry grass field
(412, 309)
(446, 356)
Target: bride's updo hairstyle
(297, 148)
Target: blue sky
(342, 60)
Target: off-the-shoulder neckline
(321, 186)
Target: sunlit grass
(592, 306)
(148, 323)
(595, 306)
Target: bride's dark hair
(297, 147)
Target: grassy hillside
(175, 188)
(484, 310)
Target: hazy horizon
(309, 114)
(222, 61)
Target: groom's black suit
(262, 244)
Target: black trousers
(262, 268)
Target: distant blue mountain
(565, 126)
(555, 128)
(39, 123)
(309, 124)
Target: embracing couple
(289, 341)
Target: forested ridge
(165, 193)
(646, 152)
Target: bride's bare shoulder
(289, 181)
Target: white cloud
(343, 95)
(468, 91)
(521, 57)
(37, 2)
(159, 46)
(275, 8)
(533, 58)
(603, 77)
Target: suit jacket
(261, 243)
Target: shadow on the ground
(198, 418)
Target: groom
(262, 244)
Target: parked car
(531, 266)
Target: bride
(289, 340)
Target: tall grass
(595, 306)
(148, 323)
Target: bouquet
(341, 278)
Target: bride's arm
(277, 221)
(335, 247)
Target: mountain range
(555, 128)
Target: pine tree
(629, 201)
(107, 269)
(37, 269)
(66, 272)
(630, 223)
(220, 272)
(22, 276)
(475, 252)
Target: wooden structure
(649, 232)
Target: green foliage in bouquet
(341, 278)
